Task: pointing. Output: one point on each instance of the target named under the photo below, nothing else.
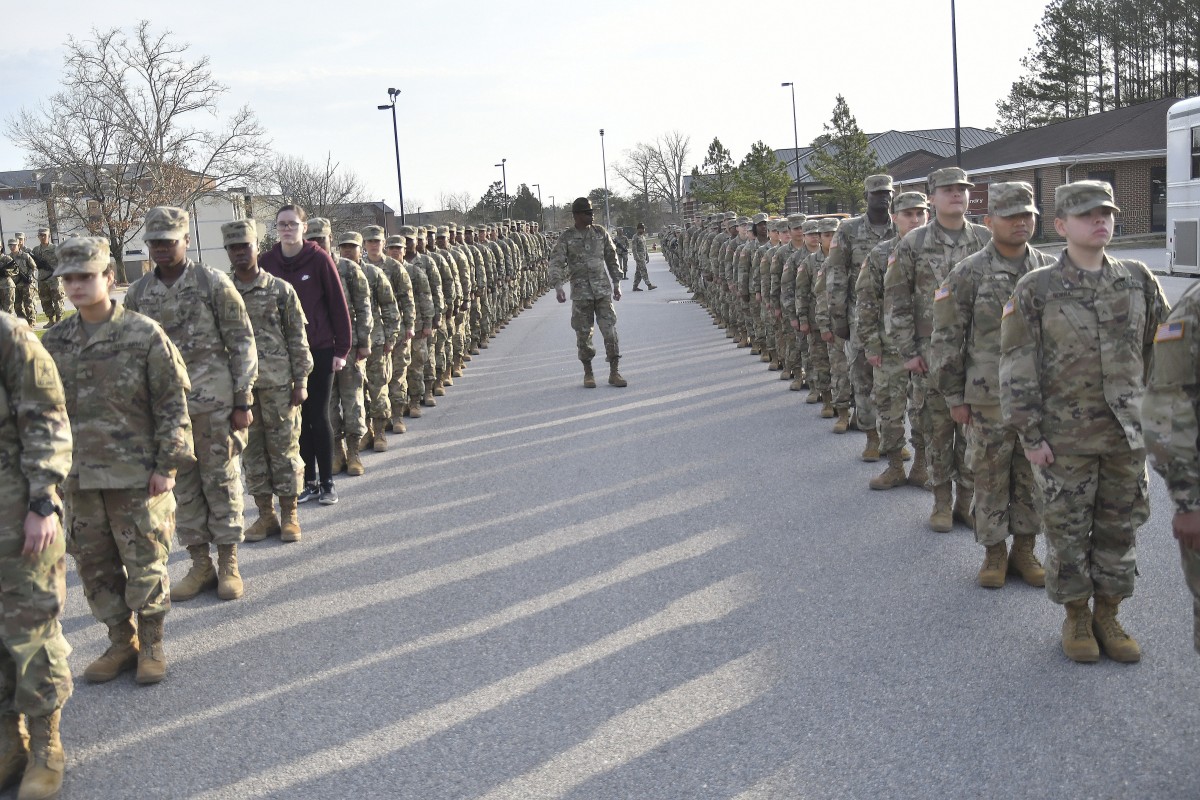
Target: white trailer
(1183, 187)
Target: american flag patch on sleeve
(1009, 308)
(1169, 332)
(942, 293)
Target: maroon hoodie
(315, 278)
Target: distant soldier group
(22, 271)
(1022, 375)
(131, 424)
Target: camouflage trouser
(398, 385)
(640, 274)
(476, 319)
(51, 295)
(379, 375)
(767, 320)
(785, 342)
(585, 313)
(442, 338)
(1092, 506)
(417, 367)
(120, 540)
(891, 387)
(347, 411)
(1191, 573)
(34, 676)
(1004, 490)
(623, 262)
(862, 378)
(818, 363)
(460, 337)
(24, 304)
(483, 306)
(8, 296)
(209, 491)
(839, 373)
(272, 455)
(946, 444)
(801, 360)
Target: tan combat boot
(414, 408)
(267, 523)
(827, 411)
(457, 372)
(1118, 645)
(773, 364)
(447, 379)
(339, 456)
(120, 656)
(995, 566)
(942, 518)
(428, 400)
(589, 378)
(763, 356)
(906, 454)
(354, 465)
(398, 424)
(870, 453)
(44, 775)
(796, 385)
(14, 749)
(814, 396)
(229, 580)
(152, 661)
(379, 441)
(1023, 562)
(919, 474)
(1078, 643)
(439, 387)
(614, 377)
(289, 528)
(962, 506)
(891, 477)
(200, 578)
(843, 421)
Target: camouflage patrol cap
(878, 183)
(828, 224)
(408, 232)
(372, 233)
(165, 222)
(1081, 197)
(948, 176)
(43, 230)
(760, 217)
(779, 225)
(1010, 199)
(907, 200)
(318, 228)
(240, 231)
(811, 226)
(796, 221)
(81, 255)
(394, 241)
(469, 229)
(351, 237)
(728, 215)
(443, 231)
(20, 236)
(12, 242)
(743, 221)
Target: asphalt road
(682, 589)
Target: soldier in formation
(50, 289)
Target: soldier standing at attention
(311, 272)
(641, 258)
(585, 255)
(385, 332)
(206, 319)
(8, 290)
(921, 263)
(50, 290)
(126, 394)
(1076, 339)
(35, 451)
(402, 287)
(403, 404)
(816, 366)
(272, 457)
(1171, 414)
(24, 272)
(965, 351)
(891, 382)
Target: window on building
(1196, 152)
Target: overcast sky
(534, 82)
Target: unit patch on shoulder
(942, 293)
(1169, 332)
(1009, 308)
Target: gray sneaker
(328, 495)
(310, 492)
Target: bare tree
(323, 190)
(670, 159)
(457, 202)
(119, 138)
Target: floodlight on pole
(796, 143)
(504, 178)
(604, 161)
(393, 94)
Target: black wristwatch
(241, 408)
(44, 507)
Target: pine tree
(763, 179)
(717, 184)
(843, 158)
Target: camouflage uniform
(1171, 413)
(919, 265)
(205, 318)
(347, 410)
(409, 301)
(272, 456)
(24, 271)
(965, 351)
(1075, 345)
(817, 365)
(420, 386)
(588, 259)
(839, 368)
(50, 288)
(35, 457)
(8, 290)
(640, 258)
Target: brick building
(1126, 147)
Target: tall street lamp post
(504, 178)
(604, 161)
(541, 211)
(796, 144)
(553, 212)
(392, 95)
